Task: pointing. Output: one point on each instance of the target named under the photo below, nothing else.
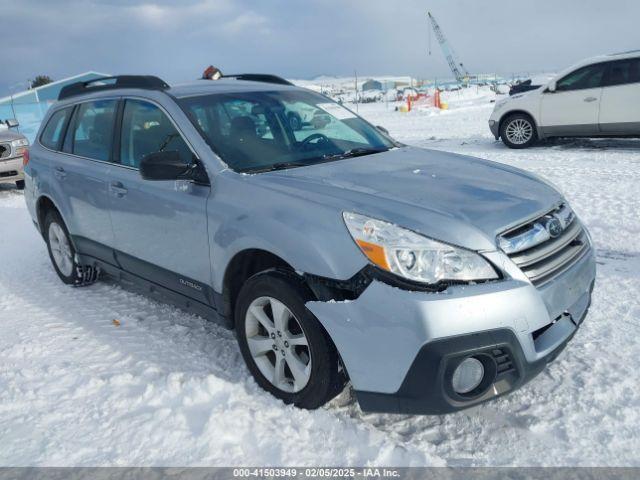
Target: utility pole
(355, 72)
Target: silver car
(429, 281)
(14, 148)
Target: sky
(176, 40)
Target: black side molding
(143, 277)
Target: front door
(620, 104)
(160, 227)
(572, 109)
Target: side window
(52, 133)
(623, 72)
(93, 129)
(146, 129)
(585, 77)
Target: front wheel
(283, 344)
(518, 131)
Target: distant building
(371, 85)
(30, 106)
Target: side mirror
(552, 87)
(12, 123)
(163, 166)
(383, 130)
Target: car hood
(454, 198)
(8, 136)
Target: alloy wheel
(519, 131)
(278, 345)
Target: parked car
(598, 97)
(430, 281)
(13, 147)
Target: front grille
(11, 173)
(5, 150)
(541, 255)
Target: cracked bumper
(399, 346)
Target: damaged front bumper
(400, 347)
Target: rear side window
(585, 77)
(92, 134)
(147, 129)
(623, 72)
(52, 133)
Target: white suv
(598, 97)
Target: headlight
(412, 256)
(19, 146)
(23, 142)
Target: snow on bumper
(381, 334)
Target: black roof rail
(628, 52)
(148, 82)
(259, 77)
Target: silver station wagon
(429, 281)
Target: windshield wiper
(354, 152)
(277, 166)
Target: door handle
(60, 173)
(590, 99)
(118, 189)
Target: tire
(518, 131)
(63, 254)
(324, 380)
(295, 122)
(20, 184)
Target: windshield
(261, 131)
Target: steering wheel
(314, 136)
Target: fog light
(467, 376)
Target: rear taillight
(25, 157)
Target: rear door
(160, 226)
(573, 108)
(620, 104)
(80, 177)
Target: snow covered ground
(167, 388)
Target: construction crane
(457, 68)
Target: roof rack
(147, 82)
(260, 77)
(628, 52)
